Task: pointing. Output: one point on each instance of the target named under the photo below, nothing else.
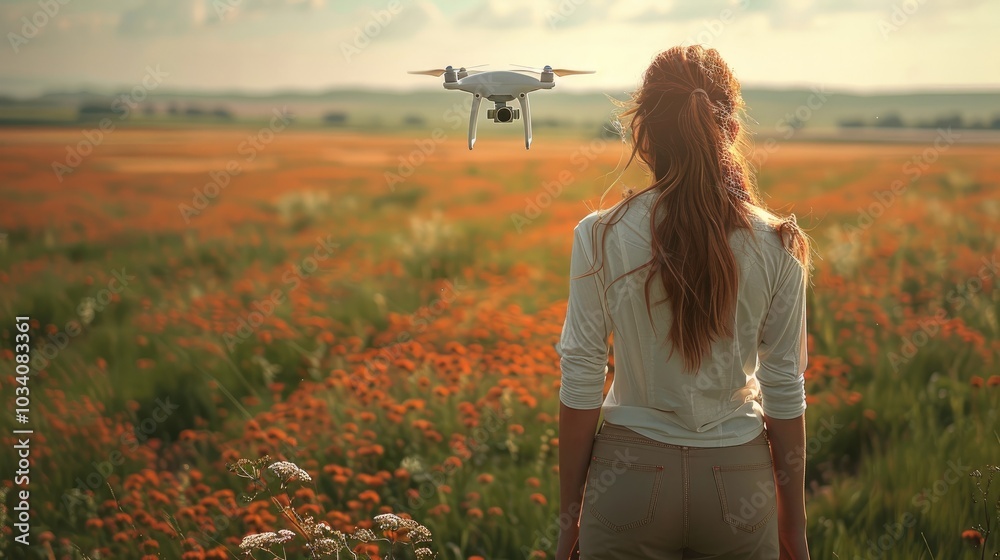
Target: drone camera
(503, 114)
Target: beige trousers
(647, 499)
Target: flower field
(386, 322)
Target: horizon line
(922, 89)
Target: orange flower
(973, 537)
(516, 429)
(993, 381)
(534, 482)
(440, 509)
(977, 382)
(370, 496)
(475, 513)
(485, 478)
(539, 499)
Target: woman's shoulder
(632, 207)
(779, 236)
(767, 228)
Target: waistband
(615, 432)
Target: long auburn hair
(687, 127)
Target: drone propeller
(435, 72)
(566, 72)
(440, 71)
(556, 71)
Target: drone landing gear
(476, 100)
(526, 113)
(501, 113)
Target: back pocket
(622, 495)
(746, 493)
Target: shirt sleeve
(583, 346)
(782, 350)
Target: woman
(702, 450)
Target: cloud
(573, 13)
(684, 11)
(155, 17)
(499, 14)
(414, 17)
(163, 16)
(785, 14)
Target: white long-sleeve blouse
(760, 370)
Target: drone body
(500, 87)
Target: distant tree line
(895, 120)
(91, 110)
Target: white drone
(500, 87)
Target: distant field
(782, 113)
(381, 310)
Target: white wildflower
(364, 535)
(287, 471)
(388, 521)
(419, 534)
(325, 546)
(265, 540)
(424, 553)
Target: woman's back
(757, 370)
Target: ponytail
(686, 128)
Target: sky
(263, 46)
